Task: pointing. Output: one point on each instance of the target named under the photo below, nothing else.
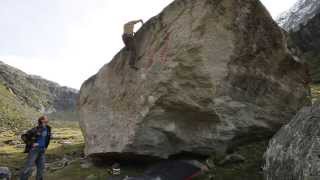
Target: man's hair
(40, 119)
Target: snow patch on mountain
(299, 14)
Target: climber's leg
(126, 39)
(130, 46)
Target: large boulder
(213, 74)
(294, 152)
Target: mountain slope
(303, 24)
(299, 14)
(13, 112)
(24, 97)
(308, 40)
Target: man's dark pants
(128, 40)
(36, 156)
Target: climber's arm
(136, 22)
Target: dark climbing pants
(36, 157)
(128, 40)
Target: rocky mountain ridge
(303, 23)
(27, 96)
(299, 14)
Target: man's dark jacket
(31, 136)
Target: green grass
(313, 59)
(13, 113)
(249, 169)
(315, 91)
(76, 172)
(12, 156)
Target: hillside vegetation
(13, 113)
(24, 97)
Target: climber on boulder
(129, 41)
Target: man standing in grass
(37, 140)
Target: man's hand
(35, 145)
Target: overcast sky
(68, 41)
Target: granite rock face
(213, 74)
(294, 152)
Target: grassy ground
(67, 142)
(315, 91)
(67, 147)
(12, 157)
(249, 169)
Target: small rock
(232, 159)
(66, 142)
(198, 164)
(55, 136)
(47, 166)
(5, 173)
(20, 146)
(65, 161)
(210, 164)
(11, 142)
(91, 177)
(34, 171)
(86, 164)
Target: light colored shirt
(128, 28)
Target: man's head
(43, 121)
